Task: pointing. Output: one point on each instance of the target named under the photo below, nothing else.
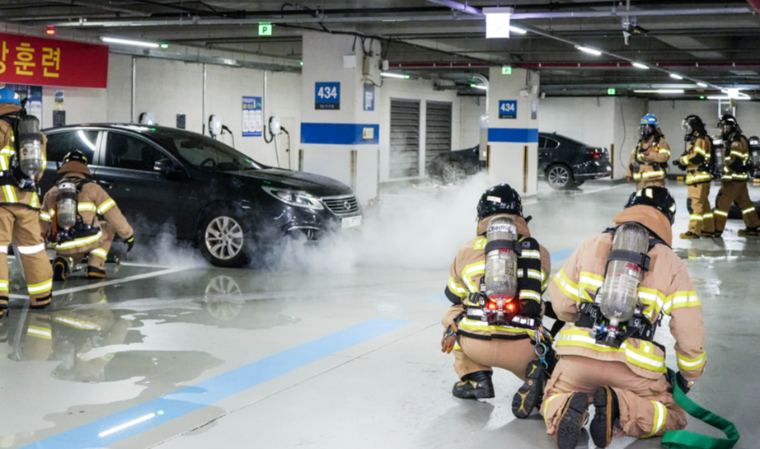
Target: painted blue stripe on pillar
(173, 405)
(338, 133)
(516, 135)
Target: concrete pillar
(340, 114)
(513, 129)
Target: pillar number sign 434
(327, 95)
(508, 109)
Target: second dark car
(215, 196)
(565, 162)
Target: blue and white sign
(252, 117)
(507, 108)
(369, 97)
(327, 95)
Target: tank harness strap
(640, 259)
(512, 245)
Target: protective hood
(522, 225)
(6, 108)
(74, 167)
(650, 217)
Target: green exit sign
(506, 70)
(611, 91)
(265, 29)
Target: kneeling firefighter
(735, 175)
(650, 157)
(22, 164)
(81, 219)
(495, 284)
(700, 165)
(615, 289)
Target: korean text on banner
(52, 62)
(252, 117)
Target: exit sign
(265, 29)
(506, 70)
(611, 91)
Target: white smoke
(164, 248)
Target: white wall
(586, 119)
(628, 113)
(470, 111)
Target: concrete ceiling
(713, 42)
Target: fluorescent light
(701, 84)
(514, 29)
(590, 51)
(639, 65)
(660, 91)
(478, 86)
(394, 75)
(497, 22)
(113, 40)
(676, 76)
(733, 93)
(719, 97)
(126, 424)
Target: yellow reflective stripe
(700, 151)
(535, 274)
(530, 294)
(10, 194)
(454, 287)
(42, 287)
(35, 203)
(4, 162)
(106, 206)
(664, 151)
(568, 287)
(531, 254)
(4, 286)
(545, 281)
(44, 216)
(456, 347)
(86, 207)
(40, 332)
(480, 243)
(707, 216)
(640, 357)
(636, 175)
(473, 269)
(477, 325)
(660, 418)
(79, 324)
(652, 174)
(736, 153)
(78, 242)
(100, 252)
(748, 210)
(721, 213)
(681, 299)
(546, 406)
(688, 364)
(695, 217)
(7, 151)
(651, 298)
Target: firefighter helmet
(657, 197)
(728, 125)
(500, 199)
(693, 124)
(648, 126)
(8, 95)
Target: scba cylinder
(30, 146)
(501, 259)
(66, 205)
(754, 152)
(719, 150)
(620, 291)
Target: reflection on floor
(186, 357)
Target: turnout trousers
(21, 224)
(646, 407)
(734, 191)
(700, 213)
(649, 183)
(97, 253)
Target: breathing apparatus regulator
(28, 160)
(616, 314)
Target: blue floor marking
(557, 257)
(194, 397)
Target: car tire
(452, 173)
(578, 183)
(559, 176)
(223, 238)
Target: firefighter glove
(450, 336)
(682, 383)
(678, 164)
(130, 243)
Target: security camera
(631, 29)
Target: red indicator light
(50, 31)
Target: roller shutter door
(405, 139)
(437, 129)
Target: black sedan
(227, 204)
(566, 162)
(455, 165)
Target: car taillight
(597, 154)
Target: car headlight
(293, 198)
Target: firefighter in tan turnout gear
(81, 219)
(734, 177)
(649, 158)
(615, 288)
(495, 285)
(697, 160)
(22, 163)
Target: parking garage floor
(337, 348)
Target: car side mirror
(167, 167)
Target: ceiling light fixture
(394, 75)
(720, 97)
(701, 84)
(497, 22)
(590, 51)
(114, 40)
(639, 65)
(676, 76)
(660, 91)
(478, 86)
(514, 29)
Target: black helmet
(728, 125)
(657, 197)
(500, 199)
(693, 124)
(75, 156)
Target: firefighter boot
(61, 268)
(689, 235)
(750, 232)
(95, 273)
(572, 420)
(475, 385)
(531, 392)
(606, 418)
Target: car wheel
(559, 177)
(222, 239)
(452, 173)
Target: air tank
(501, 263)
(30, 146)
(754, 152)
(719, 150)
(66, 202)
(620, 291)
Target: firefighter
(22, 163)
(619, 366)
(81, 219)
(649, 158)
(735, 176)
(697, 160)
(480, 345)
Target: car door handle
(105, 183)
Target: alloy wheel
(558, 176)
(224, 238)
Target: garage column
(340, 117)
(513, 129)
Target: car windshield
(203, 152)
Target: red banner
(51, 62)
